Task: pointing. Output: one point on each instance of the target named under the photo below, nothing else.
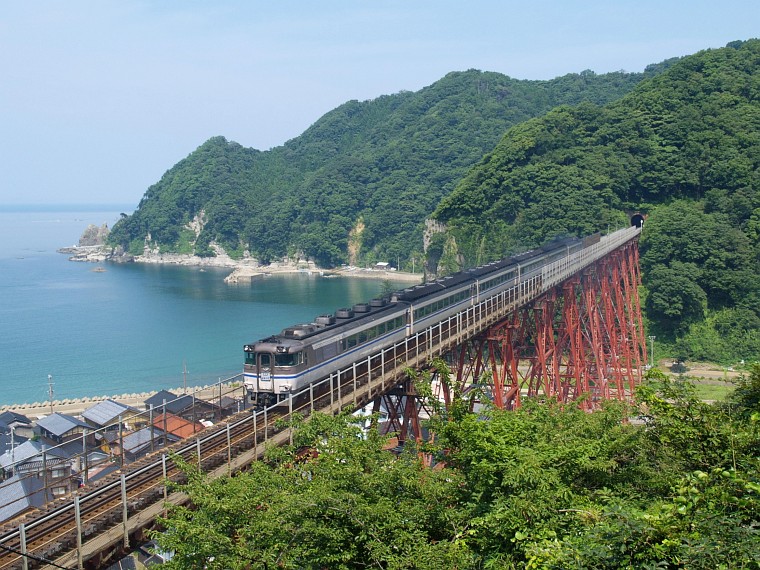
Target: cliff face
(94, 235)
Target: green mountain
(357, 185)
(684, 147)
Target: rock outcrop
(94, 235)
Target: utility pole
(184, 376)
(651, 352)
(50, 391)
(13, 450)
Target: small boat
(99, 269)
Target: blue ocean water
(133, 327)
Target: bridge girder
(580, 342)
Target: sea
(134, 327)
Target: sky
(98, 98)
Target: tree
(674, 298)
(544, 486)
(345, 503)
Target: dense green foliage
(546, 486)
(683, 146)
(386, 162)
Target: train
(284, 364)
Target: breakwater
(75, 406)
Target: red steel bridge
(573, 332)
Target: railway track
(53, 530)
(62, 527)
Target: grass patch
(711, 390)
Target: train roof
(334, 324)
(425, 289)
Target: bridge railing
(358, 383)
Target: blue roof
(174, 404)
(19, 494)
(6, 439)
(29, 450)
(103, 413)
(60, 424)
(10, 417)
(136, 441)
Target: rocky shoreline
(242, 271)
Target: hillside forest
(684, 148)
(543, 486)
(504, 165)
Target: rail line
(71, 530)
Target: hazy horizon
(66, 207)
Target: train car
(300, 355)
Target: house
(33, 458)
(185, 406)
(169, 402)
(108, 414)
(62, 428)
(100, 465)
(97, 466)
(176, 425)
(231, 406)
(142, 442)
(9, 438)
(20, 494)
(19, 423)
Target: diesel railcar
(286, 363)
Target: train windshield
(250, 358)
(288, 359)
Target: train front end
(271, 370)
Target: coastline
(75, 406)
(241, 271)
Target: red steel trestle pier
(581, 341)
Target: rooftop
(105, 412)
(60, 424)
